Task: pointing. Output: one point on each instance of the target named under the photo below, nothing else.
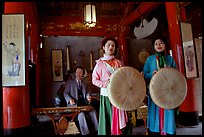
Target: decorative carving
(122, 28)
(112, 27)
(78, 26)
(53, 26)
(61, 126)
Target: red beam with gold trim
(144, 8)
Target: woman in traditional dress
(111, 119)
(159, 120)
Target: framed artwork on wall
(190, 60)
(68, 60)
(57, 65)
(13, 50)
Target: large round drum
(127, 88)
(168, 88)
(143, 55)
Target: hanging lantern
(90, 15)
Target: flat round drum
(168, 88)
(127, 88)
(143, 55)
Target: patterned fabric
(161, 60)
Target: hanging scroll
(91, 60)
(68, 61)
(13, 50)
(57, 66)
(190, 60)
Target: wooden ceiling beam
(183, 4)
(129, 7)
(144, 8)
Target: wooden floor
(47, 129)
(180, 130)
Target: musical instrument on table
(51, 110)
(63, 127)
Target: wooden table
(61, 126)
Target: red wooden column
(123, 48)
(16, 107)
(16, 110)
(188, 114)
(129, 19)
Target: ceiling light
(90, 15)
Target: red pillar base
(188, 111)
(188, 118)
(18, 131)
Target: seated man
(76, 94)
(60, 92)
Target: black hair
(164, 39)
(104, 41)
(80, 68)
(161, 38)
